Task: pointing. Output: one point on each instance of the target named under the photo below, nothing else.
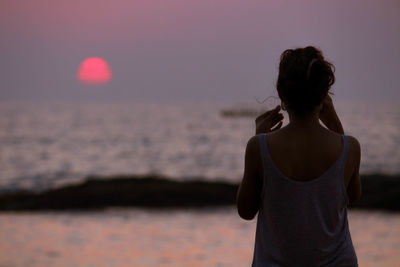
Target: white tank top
(303, 223)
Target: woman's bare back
(306, 154)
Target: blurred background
(153, 89)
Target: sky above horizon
(203, 50)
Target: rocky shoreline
(156, 192)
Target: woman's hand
(329, 117)
(267, 120)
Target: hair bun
(304, 78)
(309, 67)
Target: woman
(301, 177)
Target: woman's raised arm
(329, 116)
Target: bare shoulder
(253, 154)
(252, 147)
(354, 155)
(353, 141)
(278, 137)
(252, 143)
(354, 146)
(353, 184)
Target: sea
(48, 144)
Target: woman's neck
(307, 120)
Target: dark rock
(146, 191)
(379, 192)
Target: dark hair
(304, 82)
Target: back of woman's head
(305, 78)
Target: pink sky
(204, 49)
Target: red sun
(94, 70)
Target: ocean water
(53, 144)
(45, 145)
(142, 238)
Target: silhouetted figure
(301, 177)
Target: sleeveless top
(303, 223)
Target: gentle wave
(48, 145)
